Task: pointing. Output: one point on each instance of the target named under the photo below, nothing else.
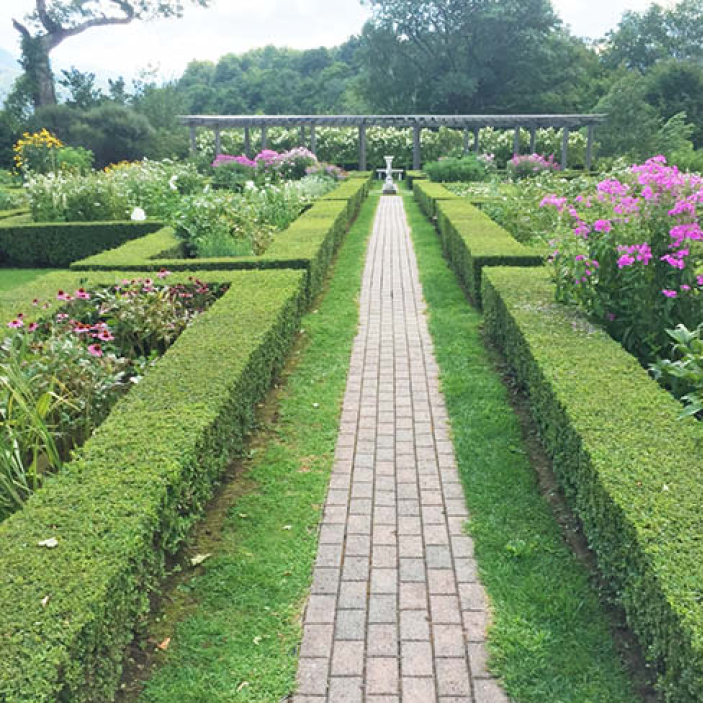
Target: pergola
(468, 123)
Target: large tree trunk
(42, 81)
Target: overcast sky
(234, 26)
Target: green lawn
(11, 278)
(235, 624)
(551, 639)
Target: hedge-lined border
(471, 241)
(139, 484)
(625, 461)
(58, 244)
(412, 176)
(308, 243)
(15, 212)
(428, 194)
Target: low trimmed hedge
(353, 190)
(7, 214)
(428, 194)
(630, 468)
(133, 494)
(471, 241)
(308, 243)
(58, 244)
(412, 176)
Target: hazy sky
(237, 25)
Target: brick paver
(396, 614)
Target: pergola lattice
(467, 123)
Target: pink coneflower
(82, 294)
(95, 350)
(163, 273)
(62, 295)
(33, 326)
(16, 323)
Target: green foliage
(429, 194)
(309, 243)
(58, 244)
(450, 57)
(463, 168)
(682, 372)
(133, 495)
(624, 460)
(661, 32)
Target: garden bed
(137, 487)
(625, 461)
(309, 243)
(58, 244)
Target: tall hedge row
(630, 468)
(134, 492)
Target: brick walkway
(396, 614)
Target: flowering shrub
(465, 168)
(628, 253)
(341, 145)
(266, 166)
(113, 194)
(60, 376)
(222, 223)
(323, 170)
(530, 165)
(42, 152)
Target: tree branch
(21, 29)
(47, 22)
(54, 38)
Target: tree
(644, 38)
(461, 56)
(83, 93)
(54, 21)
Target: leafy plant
(529, 166)
(682, 372)
(464, 168)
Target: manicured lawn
(550, 641)
(11, 278)
(235, 625)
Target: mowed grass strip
(239, 639)
(11, 278)
(550, 641)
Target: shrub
(530, 166)
(628, 254)
(465, 168)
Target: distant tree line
(412, 56)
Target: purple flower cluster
(532, 164)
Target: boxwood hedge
(428, 194)
(412, 176)
(309, 243)
(133, 493)
(630, 468)
(471, 241)
(58, 244)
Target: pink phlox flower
(612, 186)
(685, 287)
(669, 293)
(625, 260)
(603, 225)
(683, 207)
(554, 200)
(627, 206)
(583, 230)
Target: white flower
(250, 185)
(172, 182)
(138, 215)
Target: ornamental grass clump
(61, 374)
(628, 253)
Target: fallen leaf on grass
(199, 559)
(48, 543)
(287, 527)
(45, 601)
(163, 646)
(242, 686)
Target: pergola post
(533, 139)
(218, 141)
(477, 130)
(362, 147)
(589, 147)
(264, 143)
(417, 148)
(301, 138)
(313, 139)
(516, 141)
(247, 142)
(193, 141)
(565, 149)
(466, 140)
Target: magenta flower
(625, 260)
(33, 326)
(82, 294)
(669, 293)
(95, 350)
(61, 295)
(16, 323)
(602, 225)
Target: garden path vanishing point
(396, 613)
